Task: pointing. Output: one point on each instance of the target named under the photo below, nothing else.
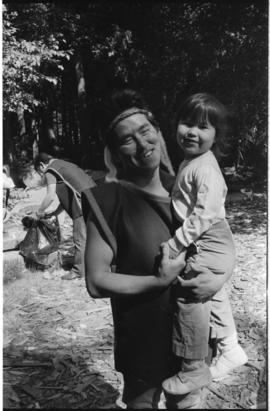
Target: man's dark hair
(42, 157)
(115, 104)
(47, 152)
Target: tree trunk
(8, 146)
(20, 116)
(35, 149)
(82, 106)
(35, 138)
(50, 124)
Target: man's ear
(117, 159)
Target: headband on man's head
(126, 113)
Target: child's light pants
(192, 320)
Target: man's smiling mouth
(148, 153)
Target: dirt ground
(58, 341)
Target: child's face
(195, 139)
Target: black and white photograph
(134, 211)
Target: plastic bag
(40, 247)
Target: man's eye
(127, 140)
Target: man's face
(138, 143)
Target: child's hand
(169, 268)
(39, 215)
(174, 248)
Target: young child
(198, 199)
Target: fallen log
(26, 364)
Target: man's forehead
(137, 120)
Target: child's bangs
(200, 113)
(194, 114)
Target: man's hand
(204, 284)
(169, 269)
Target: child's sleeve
(211, 193)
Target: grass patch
(13, 270)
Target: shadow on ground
(65, 378)
(247, 216)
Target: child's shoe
(228, 361)
(192, 400)
(188, 380)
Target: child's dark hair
(116, 103)
(202, 107)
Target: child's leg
(191, 325)
(232, 355)
(190, 342)
(221, 315)
(192, 320)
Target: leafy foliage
(166, 50)
(29, 66)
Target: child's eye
(184, 123)
(203, 126)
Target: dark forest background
(61, 59)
